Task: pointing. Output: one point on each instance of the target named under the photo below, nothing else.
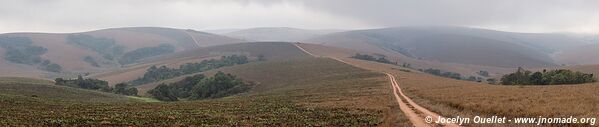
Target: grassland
(451, 98)
(297, 92)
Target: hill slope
(269, 51)
(440, 44)
(277, 34)
(582, 55)
(46, 90)
(69, 50)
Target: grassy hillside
(296, 92)
(269, 50)
(439, 45)
(35, 89)
(415, 64)
(62, 51)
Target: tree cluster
(553, 77)
(200, 87)
(96, 84)
(380, 58)
(442, 73)
(154, 73)
(22, 51)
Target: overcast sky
(579, 16)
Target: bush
(163, 92)
(446, 74)
(80, 82)
(124, 89)
(553, 77)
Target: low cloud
(510, 15)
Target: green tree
(162, 92)
(120, 88)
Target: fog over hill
(277, 34)
(460, 44)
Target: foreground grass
(230, 112)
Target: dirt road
(193, 38)
(415, 113)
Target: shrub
(96, 84)
(163, 92)
(380, 59)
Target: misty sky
(579, 16)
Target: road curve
(415, 113)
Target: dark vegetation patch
(109, 49)
(96, 84)
(145, 52)
(453, 75)
(154, 73)
(200, 87)
(106, 47)
(442, 73)
(377, 58)
(91, 61)
(553, 77)
(47, 91)
(22, 51)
